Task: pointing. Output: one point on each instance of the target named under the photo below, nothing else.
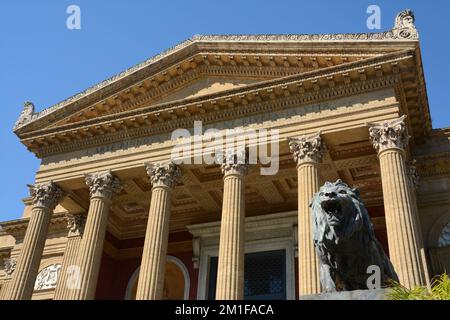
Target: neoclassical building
(111, 215)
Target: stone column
(151, 275)
(413, 179)
(230, 270)
(102, 186)
(67, 277)
(45, 198)
(390, 139)
(307, 152)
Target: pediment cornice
(223, 49)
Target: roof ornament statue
(404, 27)
(26, 115)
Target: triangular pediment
(209, 73)
(203, 75)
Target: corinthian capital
(46, 195)
(75, 224)
(163, 174)
(307, 148)
(103, 184)
(389, 134)
(235, 162)
(9, 267)
(413, 176)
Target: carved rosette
(163, 174)
(103, 184)
(235, 162)
(46, 195)
(413, 176)
(307, 148)
(75, 224)
(9, 267)
(389, 134)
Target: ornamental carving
(444, 237)
(103, 184)
(307, 148)
(75, 224)
(47, 277)
(46, 195)
(413, 176)
(234, 162)
(389, 134)
(404, 25)
(163, 174)
(26, 115)
(10, 267)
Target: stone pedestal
(45, 198)
(230, 270)
(307, 151)
(67, 281)
(390, 140)
(102, 186)
(151, 275)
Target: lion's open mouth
(333, 210)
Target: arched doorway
(176, 281)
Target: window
(264, 277)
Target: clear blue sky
(44, 62)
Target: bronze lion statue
(345, 240)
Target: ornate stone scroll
(46, 195)
(163, 174)
(103, 184)
(307, 148)
(389, 134)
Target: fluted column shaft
(308, 263)
(230, 271)
(66, 281)
(413, 179)
(307, 152)
(102, 186)
(45, 199)
(153, 264)
(390, 139)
